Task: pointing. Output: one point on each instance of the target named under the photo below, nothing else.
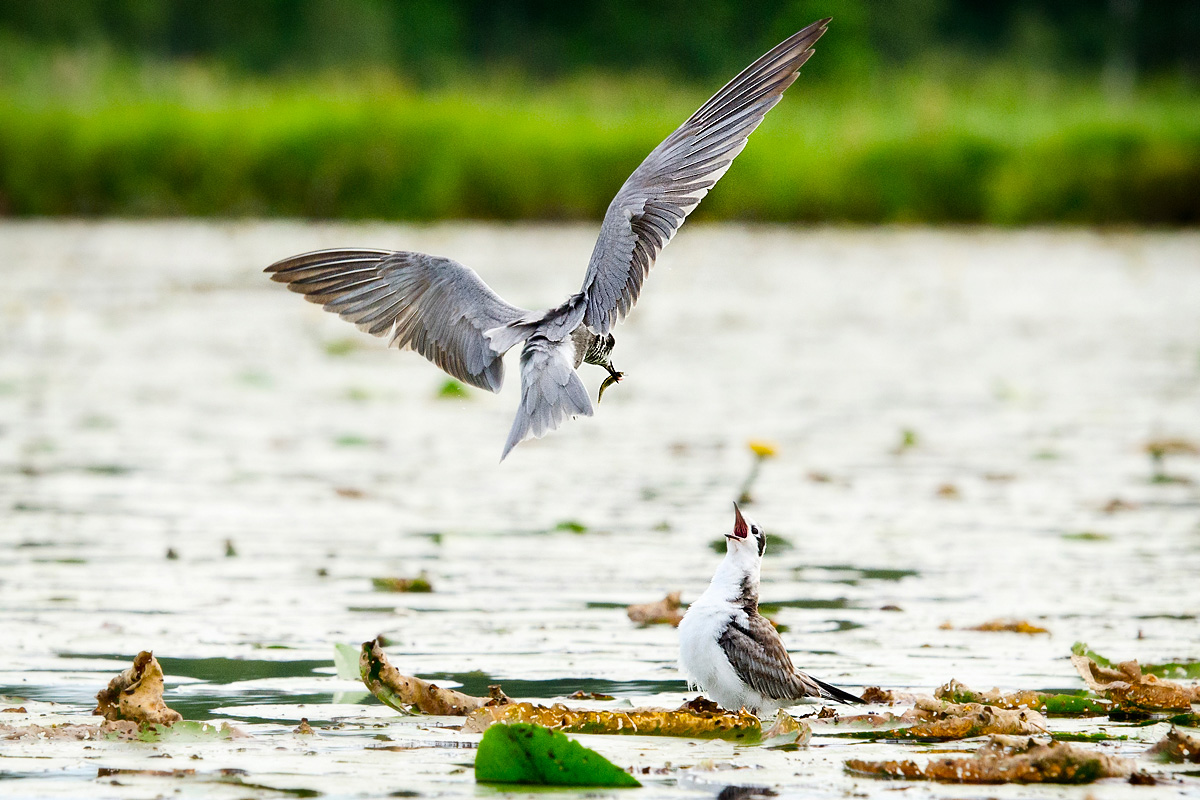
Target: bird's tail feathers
(550, 389)
(831, 692)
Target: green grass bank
(911, 150)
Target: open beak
(740, 529)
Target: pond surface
(960, 418)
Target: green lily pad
(531, 754)
(1097, 736)
(453, 390)
(1171, 669)
(186, 731)
(345, 659)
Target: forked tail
(550, 389)
(831, 692)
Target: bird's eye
(760, 537)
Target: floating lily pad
(453, 390)
(531, 754)
(345, 660)
(418, 584)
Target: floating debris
(1159, 449)
(341, 347)
(1130, 689)
(699, 719)
(1177, 748)
(1117, 505)
(667, 611)
(908, 440)
(403, 691)
(453, 390)
(304, 729)
(933, 720)
(418, 584)
(531, 754)
(786, 732)
(1008, 626)
(1169, 669)
(1054, 705)
(1006, 759)
(136, 695)
(582, 695)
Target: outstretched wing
(429, 304)
(658, 196)
(759, 658)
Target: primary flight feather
(444, 311)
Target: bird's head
(747, 539)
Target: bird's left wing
(759, 658)
(663, 190)
(429, 304)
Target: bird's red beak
(740, 529)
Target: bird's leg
(613, 377)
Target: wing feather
(759, 658)
(654, 201)
(432, 305)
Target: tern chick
(730, 651)
(444, 311)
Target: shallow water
(156, 392)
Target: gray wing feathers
(550, 390)
(653, 203)
(759, 658)
(432, 305)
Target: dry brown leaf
(939, 719)
(136, 695)
(109, 772)
(688, 721)
(1043, 702)
(414, 585)
(1171, 446)
(663, 612)
(787, 728)
(401, 691)
(1129, 688)
(1008, 626)
(1007, 759)
(71, 731)
(874, 694)
(1176, 747)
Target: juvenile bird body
(730, 651)
(444, 311)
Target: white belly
(703, 662)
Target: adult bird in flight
(444, 311)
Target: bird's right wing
(429, 304)
(654, 201)
(759, 658)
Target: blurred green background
(910, 111)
